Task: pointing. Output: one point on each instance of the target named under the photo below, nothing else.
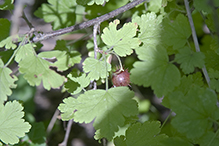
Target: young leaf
(176, 33)
(189, 59)
(154, 70)
(6, 82)
(8, 43)
(36, 69)
(60, 13)
(106, 108)
(82, 81)
(193, 111)
(95, 68)
(12, 125)
(141, 135)
(121, 40)
(150, 28)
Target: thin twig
(87, 23)
(27, 21)
(52, 121)
(195, 39)
(65, 141)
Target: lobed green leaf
(60, 13)
(150, 29)
(95, 68)
(122, 41)
(172, 35)
(189, 59)
(141, 134)
(6, 82)
(36, 69)
(194, 111)
(154, 70)
(106, 108)
(12, 126)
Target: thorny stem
(96, 26)
(88, 23)
(204, 70)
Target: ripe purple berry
(121, 78)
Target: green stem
(107, 86)
(213, 138)
(166, 120)
(11, 58)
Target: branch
(64, 143)
(204, 70)
(87, 23)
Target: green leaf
(83, 2)
(81, 82)
(121, 40)
(194, 111)
(154, 70)
(204, 5)
(141, 135)
(177, 32)
(175, 141)
(67, 108)
(24, 51)
(150, 28)
(5, 28)
(6, 82)
(106, 108)
(95, 68)
(155, 6)
(60, 13)
(12, 125)
(98, 2)
(37, 133)
(212, 60)
(209, 139)
(64, 60)
(186, 83)
(189, 59)
(36, 69)
(8, 5)
(8, 42)
(214, 79)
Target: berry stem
(120, 63)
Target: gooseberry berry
(121, 78)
